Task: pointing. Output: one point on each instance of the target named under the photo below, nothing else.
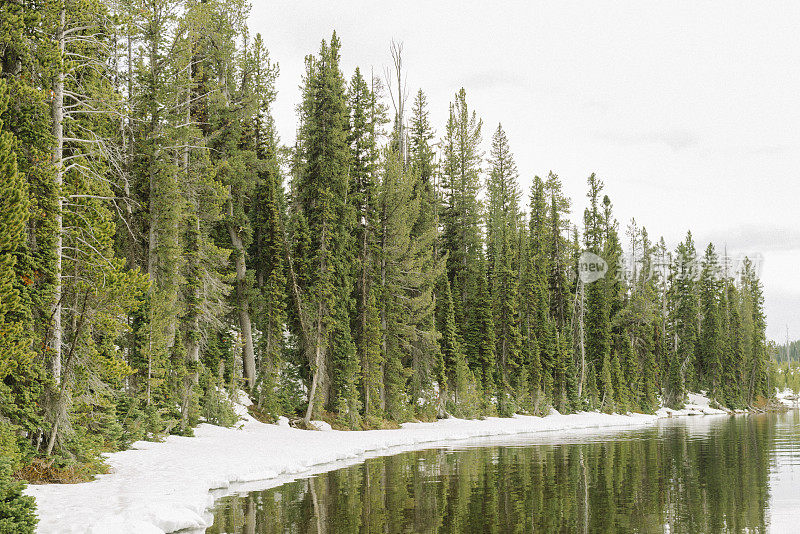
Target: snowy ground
(164, 487)
(789, 398)
(696, 404)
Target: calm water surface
(691, 474)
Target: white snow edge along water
(164, 487)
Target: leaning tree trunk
(318, 369)
(242, 307)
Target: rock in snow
(320, 425)
(164, 487)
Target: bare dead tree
(398, 91)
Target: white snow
(789, 398)
(696, 404)
(320, 425)
(164, 487)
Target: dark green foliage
(17, 511)
(20, 375)
(217, 406)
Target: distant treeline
(788, 352)
(160, 247)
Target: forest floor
(166, 486)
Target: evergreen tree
(365, 124)
(502, 226)
(20, 375)
(17, 511)
(425, 236)
(319, 192)
(615, 286)
(683, 322)
(558, 250)
(756, 355)
(267, 248)
(732, 365)
(598, 321)
(710, 341)
(461, 218)
(535, 293)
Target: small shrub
(217, 407)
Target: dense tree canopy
(161, 249)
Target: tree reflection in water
(714, 480)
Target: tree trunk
(193, 322)
(248, 356)
(57, 112)
(52, 441)
(318, 368)
(384, 321)
(364, 289)
(582, 344)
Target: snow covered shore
(788, 398)
(164, 487)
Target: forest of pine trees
(161, 248)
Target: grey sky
(688, 110)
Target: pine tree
(502, 225)
(461, 217)
(454, 377)
(92, 289)
(20, 376)
(266, 215)
(216, 178)
(27, 58)
(155, 189)
(406, 274)
(364, 127)
(535, 292)
(683, 322)
(319, 192)
(710, 341)
(430, 263)
(422, 157)
(641, 319)
(615, 286)
(732, 378)
(598, 321)
(756, 355)
(558, 250)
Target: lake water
(691, 474)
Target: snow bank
(696, 404)
(789, 398)
(164, 487)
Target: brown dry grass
(41, 471)
(260, 415)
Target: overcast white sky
(688, 110)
